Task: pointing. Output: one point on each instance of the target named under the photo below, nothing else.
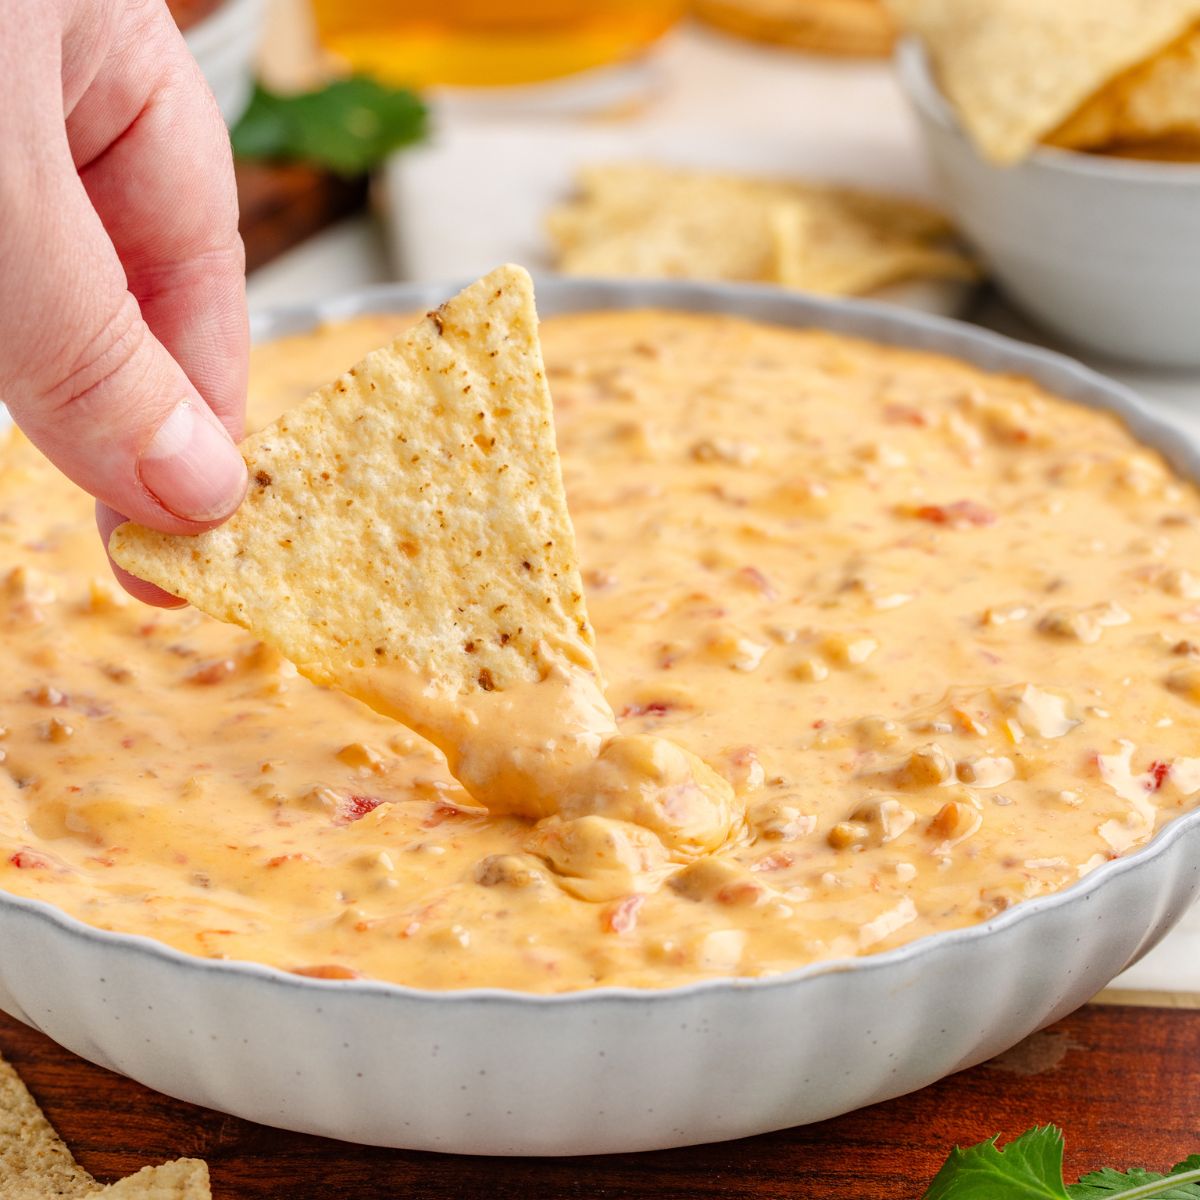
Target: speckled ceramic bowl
(487, 1071)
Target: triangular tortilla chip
(1016, 69)
(411, 512)
(35, 1164)
(183, 1179)
(406, 539)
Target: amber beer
(480, 43)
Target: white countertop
(724, 87)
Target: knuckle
(111, 353)
(167, 276)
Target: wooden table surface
(1123, 1081)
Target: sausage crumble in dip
(936, 628)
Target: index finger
(153, 153)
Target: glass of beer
(488, 43)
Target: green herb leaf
(1028, 1168)
(1183, 1183)
(348, 127)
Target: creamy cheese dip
(935, 627)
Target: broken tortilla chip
(1017, 69)
(183, 1179)
(34, 1161)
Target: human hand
(123, 333)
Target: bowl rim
(915, 72)
(874, 319)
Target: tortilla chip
(824, 251)
(183, 1179)
(411, 514)
(1017, 69)
(717, 232)
(34, 1162)
(879, 212)
(618, 197)
(1157, 101)
(662, 222)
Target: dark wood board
(281, 206)
(1123, 1081)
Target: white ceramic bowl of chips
(615, 1069)
(1103, 251)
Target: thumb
(104, 401)
(81, 371)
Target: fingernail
(192, 466)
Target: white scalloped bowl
(488, 1071)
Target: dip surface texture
(935, 627)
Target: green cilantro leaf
(348, 127)
(1183, 1183)
(1028, 1168)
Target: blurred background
(518, 97)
